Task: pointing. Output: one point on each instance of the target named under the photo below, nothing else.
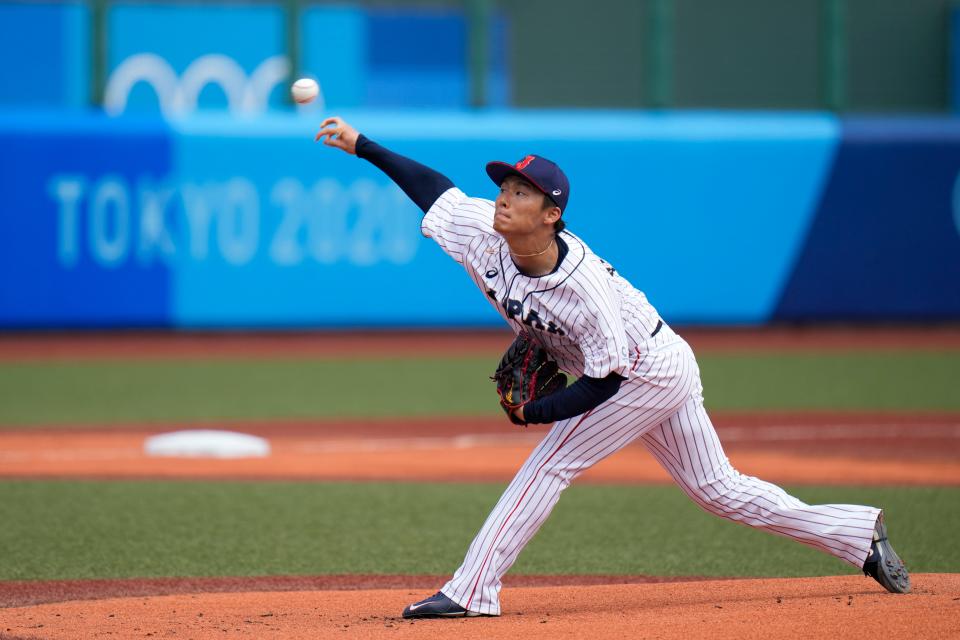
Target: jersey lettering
(513, 308)
(514, 311)
(533, 320)
(553, 328)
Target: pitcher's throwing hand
(338, 134)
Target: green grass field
(88, 529)
(112, 392)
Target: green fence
(841, 55)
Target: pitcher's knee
(564, 472)
(715, 493)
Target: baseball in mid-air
(304, 90)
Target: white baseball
(304, 90)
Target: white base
(206, 443)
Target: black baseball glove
(526, 372)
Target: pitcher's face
(520, 208)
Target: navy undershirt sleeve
(422, 184)
(583, 395)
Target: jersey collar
(571, 253)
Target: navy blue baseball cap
(538, 171)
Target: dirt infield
(433, 343)
(818, 448)
(27, 592)
(834, 607)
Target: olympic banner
(223, 55)
(232, 57)
(79, 240)
(209, 221)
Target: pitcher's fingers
(332, 131)
(326, 129)
(335, 142)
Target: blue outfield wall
(223, 222)
(885, 239)
(76, 246)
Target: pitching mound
(837, 607)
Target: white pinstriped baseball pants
(663, 407)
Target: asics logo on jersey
(523, 163)
(514, 310)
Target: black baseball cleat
(883, 564)
(437, 606)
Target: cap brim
(498, 172)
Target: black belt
(657, 330)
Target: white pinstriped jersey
(589, 318)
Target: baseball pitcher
(635, 377)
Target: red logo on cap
(523, 163)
